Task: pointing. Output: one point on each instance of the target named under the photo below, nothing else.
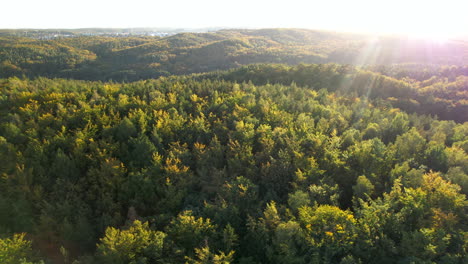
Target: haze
(428, 18)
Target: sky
(416, 17)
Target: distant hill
(141, 57)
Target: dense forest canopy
(363, 162)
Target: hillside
(436, 91)
(135, 58)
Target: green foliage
(137, 244)
(189, 232)
(205, 256)
(330, 230)
(16, 250)
(363, 188)
(340, 174)
(298, 199)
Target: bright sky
(419, 17)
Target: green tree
(363, 188)
(137, 244)
(331, 230)
(189, 232)
(17, 250)
(205, 256)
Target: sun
(435, 30)
(434, 20)
(431, 20)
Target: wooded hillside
(136, 58)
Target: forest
(179, 150)
(142, 57)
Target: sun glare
(428, 19)
(424, 27)
(431, 19)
